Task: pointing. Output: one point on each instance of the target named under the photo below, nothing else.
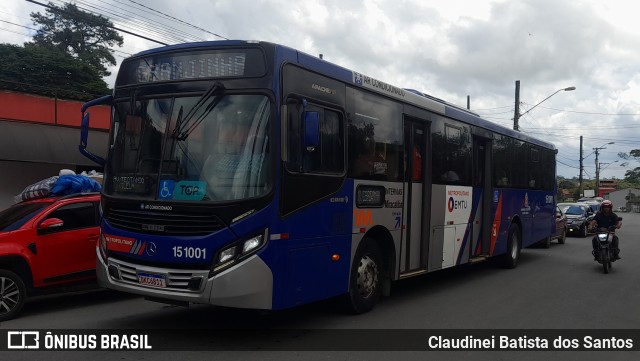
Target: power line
(26, 27)
(482, 114)
(55, 89)
(125, 19)
(15, 32)
(591, 127)
(565, 164)
(589, 113)
(558, 110)
(112, 27)
(631, 140)
(180, 21)
(506, 106)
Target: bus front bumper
(248, 284)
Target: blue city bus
(252, 175)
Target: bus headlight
(251, 244)
(227, 254)
(236, 252)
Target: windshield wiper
(184, 127)
(178, 123)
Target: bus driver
(223, 164)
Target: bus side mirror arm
(84, 129)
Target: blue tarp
(72, 183)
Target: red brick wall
(39, 109)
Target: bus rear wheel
(366, 278)
(510, 259)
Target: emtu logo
(453, 204)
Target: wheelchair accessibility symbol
(165, 191)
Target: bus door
(414, 247)
(482, 198)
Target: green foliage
(48, 71)
(83, 35)
(566, 183)
(632, 176)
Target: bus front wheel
(366, 278)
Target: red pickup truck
(44, 244)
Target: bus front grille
(147, 222)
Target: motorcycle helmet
(607, 204)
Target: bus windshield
(213, 147)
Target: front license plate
(153, 280)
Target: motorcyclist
(605, 218)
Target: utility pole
(597, 174)
(516, 114)
(581, 169)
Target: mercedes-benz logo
(151, 249)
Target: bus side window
(328, 156)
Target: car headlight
(237, 251)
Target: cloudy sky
(450, 49)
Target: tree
(632, 176)
(83, 35)
(48, 71)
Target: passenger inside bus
(450, 177)
(501, 179)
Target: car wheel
(12, 294)
(563, 236)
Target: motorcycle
(605, 255)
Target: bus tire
(546, 243)
(365, 287)
(514, 244)
(13, 293)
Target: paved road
(556, 288)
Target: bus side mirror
(84, 128)
(311, 122)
